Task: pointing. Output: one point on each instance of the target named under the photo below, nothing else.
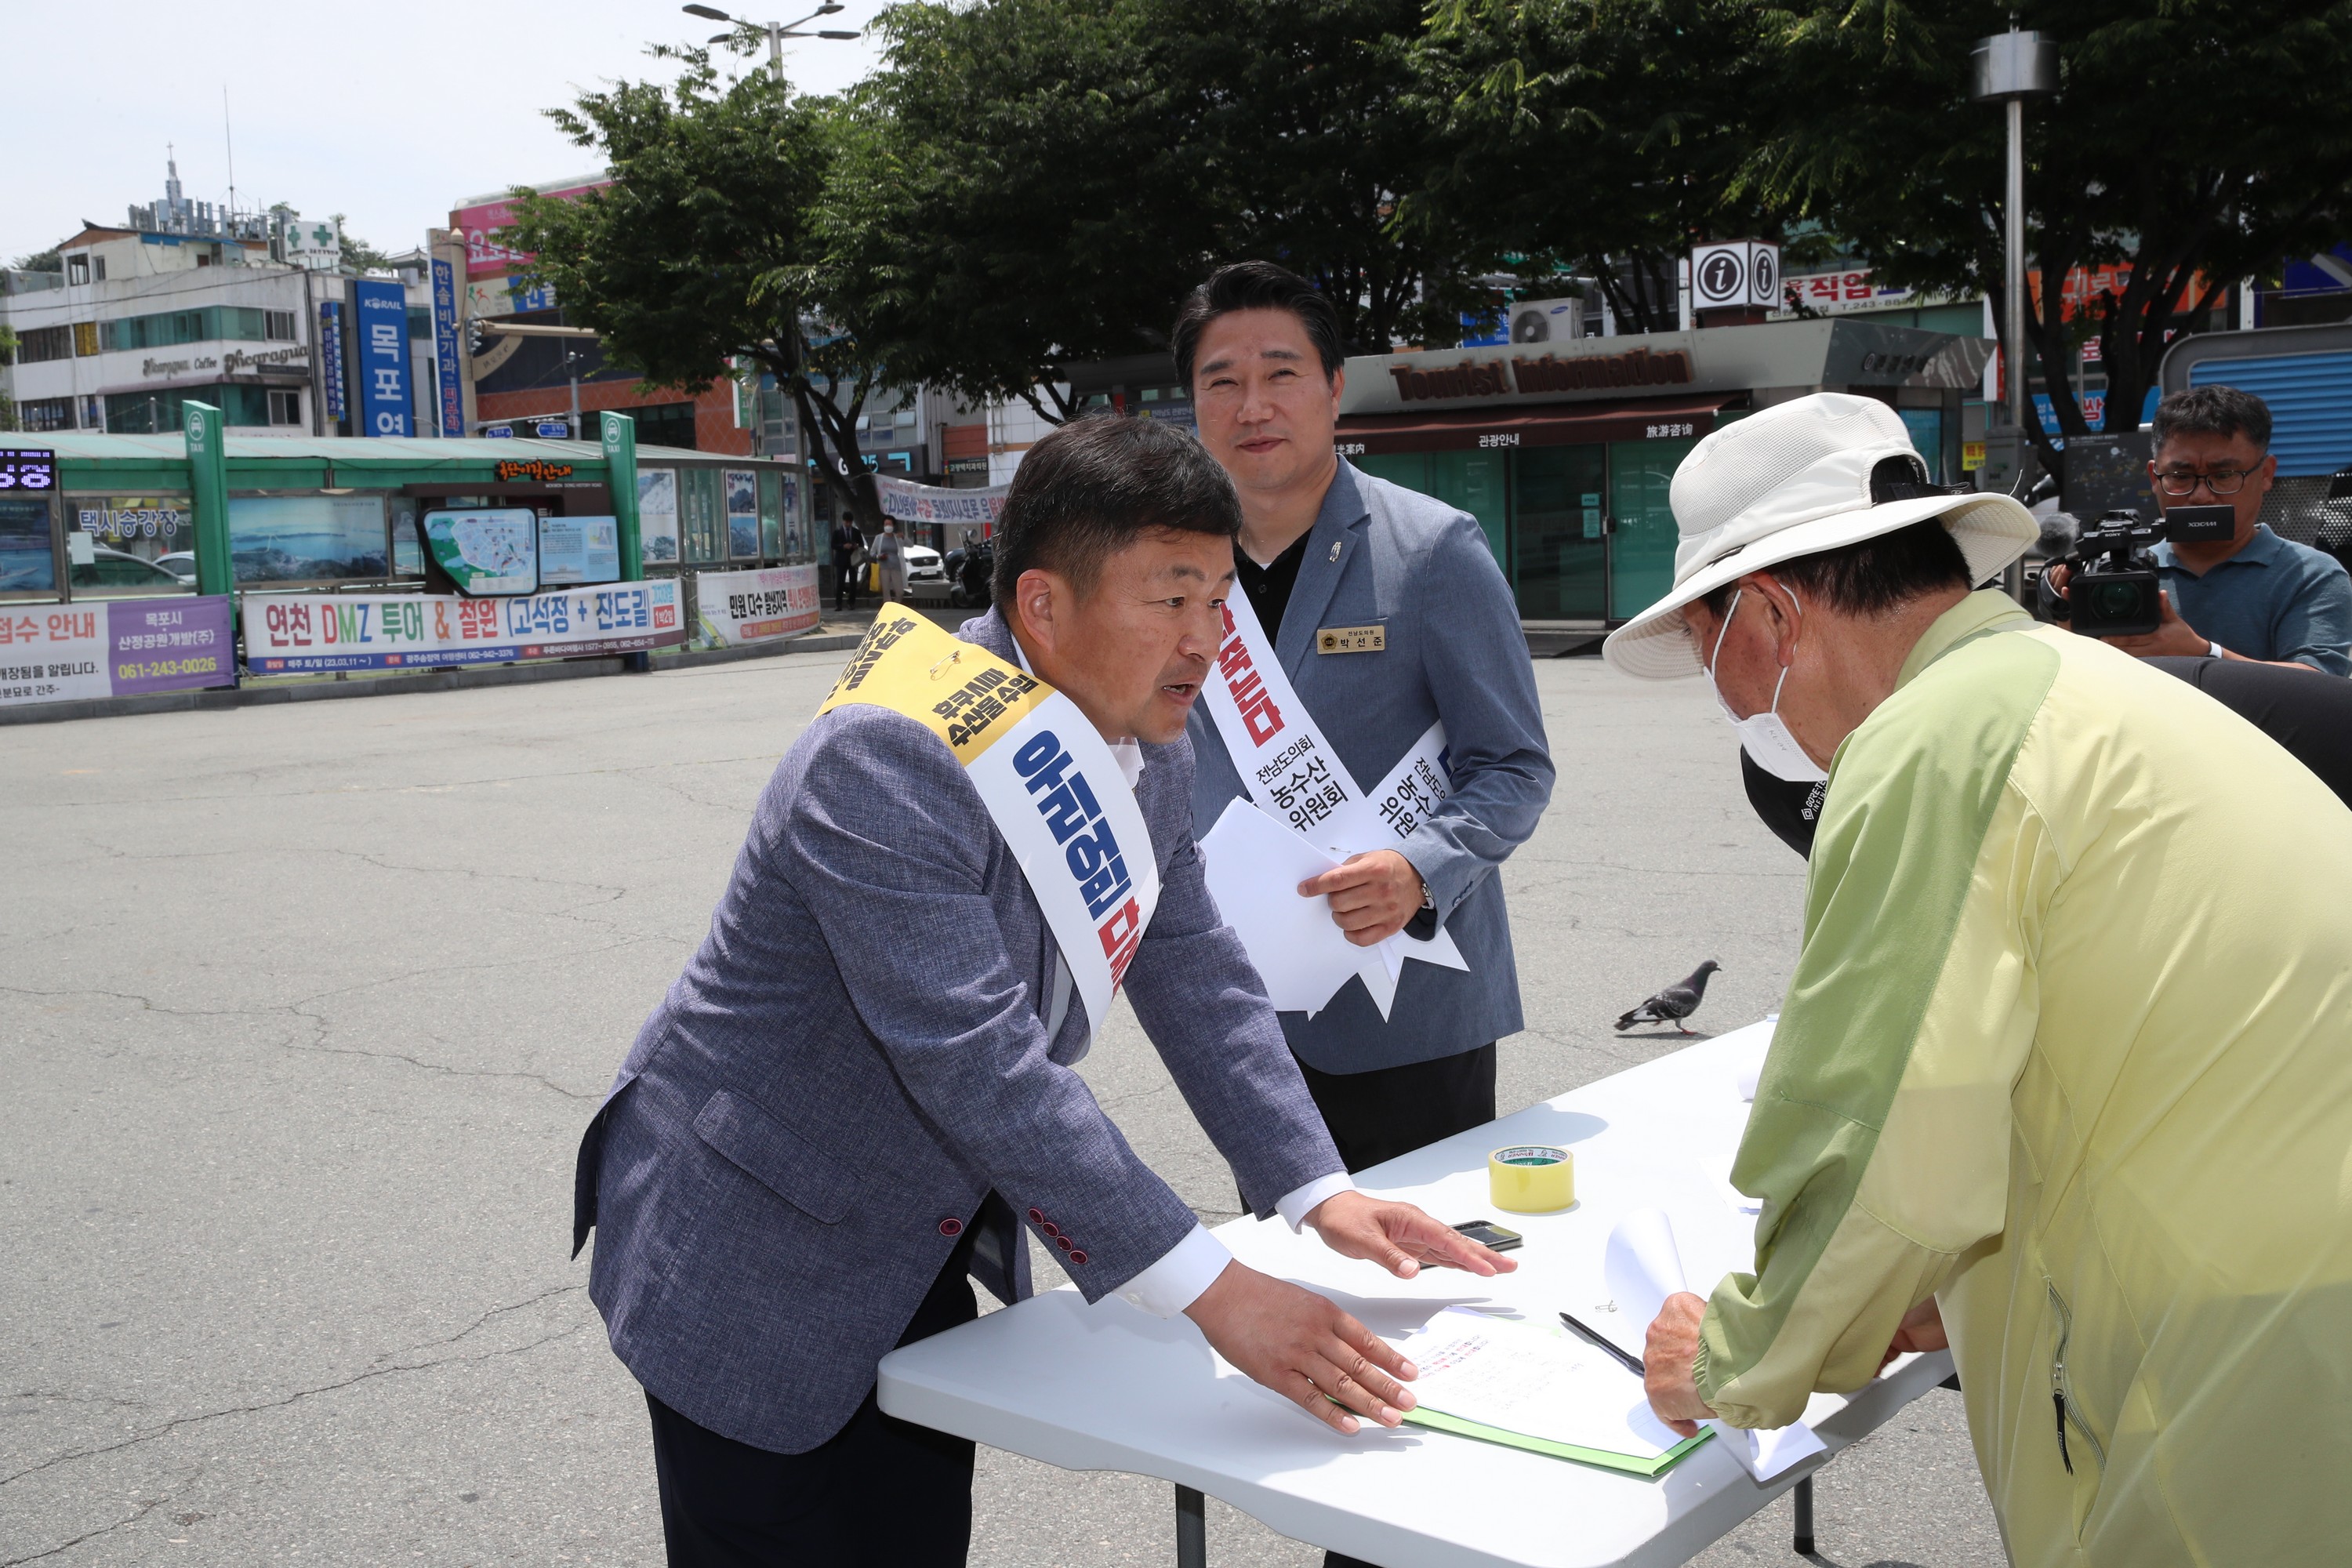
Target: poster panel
(742, 491)
(289, 634)
(657, 514)
(54, 653)
(739, 608)
(488, 551)
(575, 550)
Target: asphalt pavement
(303, 1009)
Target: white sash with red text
(1292, 774)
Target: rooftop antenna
(229, 140)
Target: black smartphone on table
(1488, 1233)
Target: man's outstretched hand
(1304, 1348)
(1399, 1236)
(1374, 895)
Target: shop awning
(1544, 425)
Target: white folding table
(1107, 1388)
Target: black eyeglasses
(2219, 482)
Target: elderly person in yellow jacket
(2064, 1071)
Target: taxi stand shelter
(294, 514)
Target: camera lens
(2114, 601)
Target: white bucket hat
(1795, 480)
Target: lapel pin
(1335, 549)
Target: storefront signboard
(56, 653)
(488, 551)
(738, 607)
(576, 550)
(381, 313)
(288, 633)
(27, 469)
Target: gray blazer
(855, 1057)
(1422, 569)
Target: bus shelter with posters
(1565, 451)
(119, 518)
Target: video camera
(2111, 590)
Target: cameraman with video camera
(2231, 589)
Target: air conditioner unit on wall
(1546, 321)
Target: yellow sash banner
(961, 692)
(1052, 787)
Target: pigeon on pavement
(1675, 1002)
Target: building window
(45, 414)
(278, 326)
(78, 270)
(85, 340)
(666, 425)
(93, 412)
(45, 343)
(285, 408)
(98, 268)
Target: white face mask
(1765, 736)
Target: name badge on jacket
(1351, 639)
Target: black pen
(1632, 1363)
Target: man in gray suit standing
(1386, 613)
(861, 1084)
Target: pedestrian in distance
(2061, 1079)
(818, 1139)
(846, 545)
(890, 560)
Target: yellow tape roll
(1531, 1178)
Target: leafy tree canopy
(705, 248)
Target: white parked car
(927, 580)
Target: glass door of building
(1642, 558)
(1560, 551)
(1474, 481)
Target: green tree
(49, 260)
(2197, 142)
(705, 251)
(1604, 137)
(1008, 197)
(1036, 182)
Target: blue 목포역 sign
(380, 313)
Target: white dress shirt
(1192, 1264)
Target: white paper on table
(1523, 1379)
(1643, 1266)
(1747, 1066)
(1253, 866)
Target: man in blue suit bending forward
(861, 1088)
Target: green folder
(1632, 1464)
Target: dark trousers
(845, 584)
(879, 1493)
(1379, 1115)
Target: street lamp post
(2011, 67)
(777, 31)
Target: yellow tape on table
(1531, 1178)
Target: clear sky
(386, 113)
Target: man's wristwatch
(1428, 899)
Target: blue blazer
(1380, 555)
(855, 1057)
